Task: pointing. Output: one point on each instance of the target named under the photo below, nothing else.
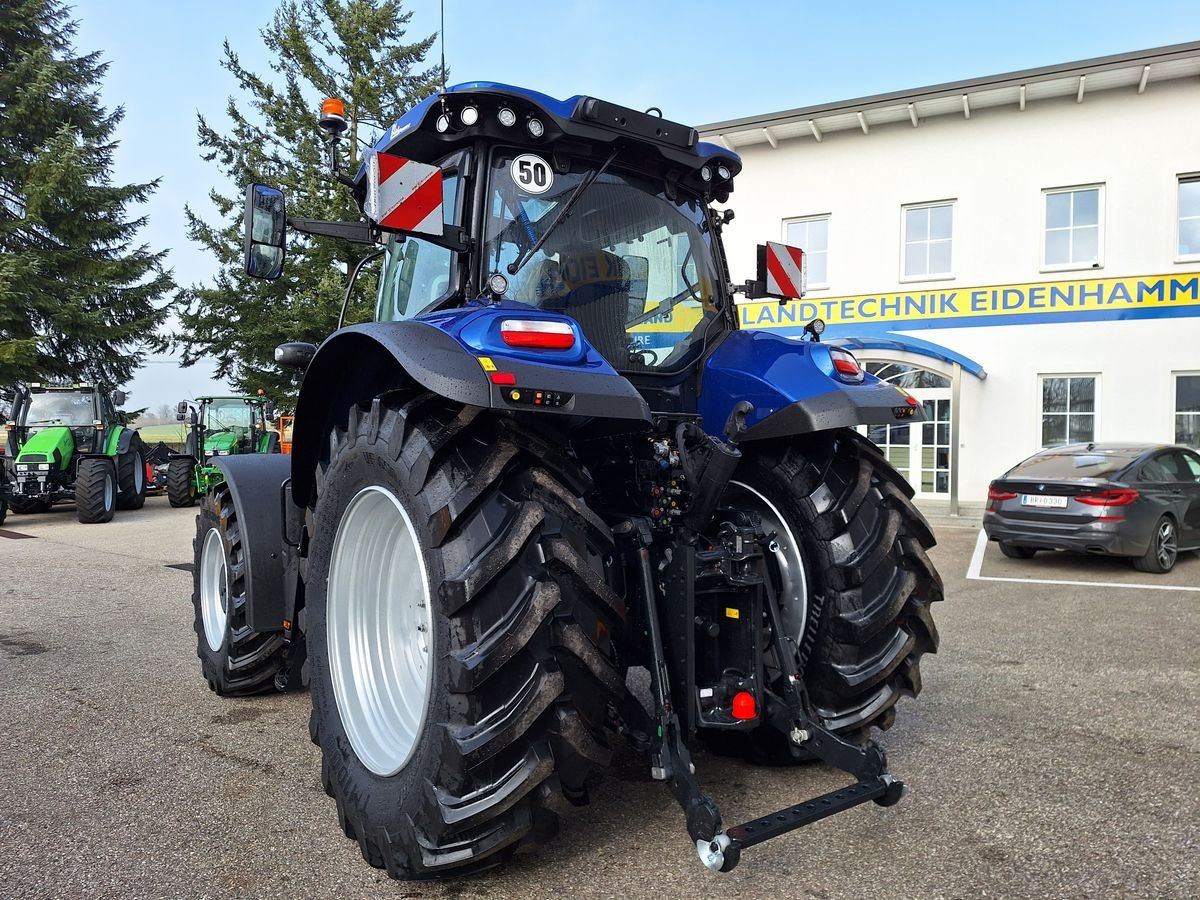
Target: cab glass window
(417, 273)
(632, 266)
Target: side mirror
(265, 232)
(782, 273)
(269, 411)
(295, 355)
(118, 398)
(181, 410)
(190, 418)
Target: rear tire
(867, 579)
(131, 476)
(95, 490)
(519, 668)
(1163, 552)
(236, 661)
(1017, 551)
(181, 482)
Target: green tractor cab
(223, 426)
(68, 442)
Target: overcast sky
(699, 61)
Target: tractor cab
(222, 426)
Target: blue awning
(906, 344)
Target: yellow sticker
(488, 365)
(731, 613)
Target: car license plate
(1049, 501)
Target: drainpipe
(955, 392)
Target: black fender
(255, 481)
(843, 407)
(125, 441)
(363, 361)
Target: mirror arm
(353, 232)
(374, 254)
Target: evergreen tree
(78, 298)
(352, 49)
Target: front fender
(793, 389)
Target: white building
(1023, 249)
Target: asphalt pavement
(1054, 751)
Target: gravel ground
(1055, 751)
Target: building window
(928, 240)
(1068, 409)
(1072, 228)
(1189, 217)
(812, 236)
(1187, 410)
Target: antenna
(442, 43)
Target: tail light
(1111, 497)
(845, 365)
(995, 493)
(537, 333)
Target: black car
(1135, 500)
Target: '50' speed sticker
(532, 174)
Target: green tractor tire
(95, 490)
(181, 482)
(24, 506)
(131, 476)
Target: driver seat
(597, 297)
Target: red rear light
(1112, 497)
(994, 493)
(845, 365)
(744, 706)
(504, 378)
(539, 334)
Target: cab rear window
(1085, 464)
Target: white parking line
(976, 566)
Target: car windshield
(1067, 466)
(61, 408)
(632, 266)
(223, 415)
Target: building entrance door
(920, 451)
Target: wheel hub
(214, 589)
(1167, 545)
(379, 621)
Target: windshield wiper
(515, 266)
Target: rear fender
(364, 361)
(793, 388)
(255, 482)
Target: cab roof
(573, 124)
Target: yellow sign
(486, 362)
(1149, 296)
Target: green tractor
(69, 442)
(224, 426)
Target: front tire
(95, 490)
(24, 507)
(857, 590)
(131, 476)
(503, 619)
(236, 661)
(181, 482)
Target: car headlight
(24, 468)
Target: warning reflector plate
(787, 271)
(403, 195)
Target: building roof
(1133, 71)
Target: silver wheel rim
(214, 589)
(108, 491)
(378, 625)
(139, 473)
(1167, 547)
(793, 583)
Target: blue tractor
(552, 458)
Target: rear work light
(1112, 497)
(846, 366)
(994, 493)
(538, 334)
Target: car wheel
(1016, 551)
(1160, 556)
